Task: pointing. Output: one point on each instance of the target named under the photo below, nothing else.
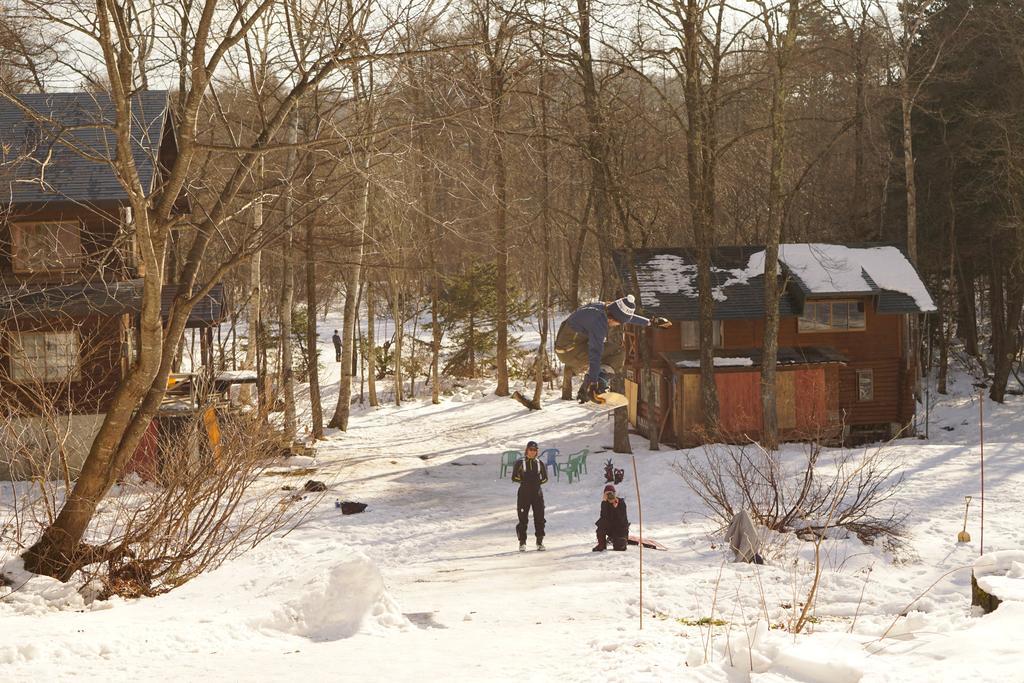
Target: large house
(846, 366)
(70, 282)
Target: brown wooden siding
(100, 349)
(98, 227)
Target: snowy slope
(428, 580)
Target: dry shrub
(202, 509)
(822, 490)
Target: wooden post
(981, 435)
(640, 518)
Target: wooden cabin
(845, 362)
(70, 282)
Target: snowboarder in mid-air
(613, 524)
(582, 341)
(530, 473)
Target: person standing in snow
(582, 341)
(530, 473)
(613, 523)
(337, 346)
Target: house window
(44, 356)
(865, 385)
(690, 330)
(832, 316)
(45, 247)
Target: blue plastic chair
(552, 457)
(508, 459)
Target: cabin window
(45, 247)
(44, 356)
(865, 385)
(690, 330)
(832, 316)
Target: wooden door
(739, 400)
(785, 399)
(692, 414)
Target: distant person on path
(337, 346)
(531, 474)
(613, 524)
(582, 337)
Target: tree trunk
(311, 335)
(371, 345)
(769, 357)
(396, 315)
(574, 303)
(501, 227)
(286, 372)
(435, 335)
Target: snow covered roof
(668, 279)
(822, 270)
(668, 283)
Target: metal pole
(640, 515)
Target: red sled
(648, 543)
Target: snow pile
(34, 595)
(723, 362)
(1001, 574)
(338, 602)
(670, 274)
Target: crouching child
(613, 524)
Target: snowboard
(648, 543)
(609, 400)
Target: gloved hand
(661, 322)
(587, 392)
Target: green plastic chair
(571, 467)
(508, 459)
(583, 459)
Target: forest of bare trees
(475, 162)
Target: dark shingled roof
(64, 152)
(787, 355)
(743, 300)
(76, 300)
(208, 311)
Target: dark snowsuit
(337, 347)
(531, 473)
(581, 339)
(613, 524)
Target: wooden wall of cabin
(101, 345)
(807, 404)
(878, 348)
(98, 228)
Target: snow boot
(619, 543)
(522, 547)
(602, 544)
(540, 546)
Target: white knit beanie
(626, 304)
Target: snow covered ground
(428, 581)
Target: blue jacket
(592, 321)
